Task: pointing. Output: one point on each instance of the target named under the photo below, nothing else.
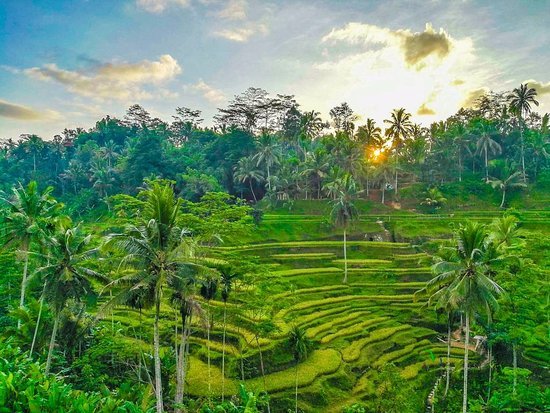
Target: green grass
(353, 330)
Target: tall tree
(299, 345)
(462, 281)
(486, 143)
(66, 276)
(510, 179)
(268, 154)
(246, 171)
(521, 100)
(399, 129)
(153, 248)
(343, 212)
(30, 214)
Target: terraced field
(356, 327)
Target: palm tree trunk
(24, 280)
(515, 366)
(263, 370)
(156, 356)
(486, 166)
(490, 350)
(208, 349)
(466, 344)
(268, 180)
(448, 373)
(522, 150)
(296, 389)
(52, 343)
(186, 352)
(383, 193)
(396, 166)
(503, 198)
(180, 364)
(252, 190)
(318, 187)
(345, 259)
(37, 320)
(223, 349)
(459, 165)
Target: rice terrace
(369, 234)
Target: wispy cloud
(158, 6)
(234, 10)
(243, 33)
(541, 87)
(20, 112)
(415, 47)
(118, 81)
(208, 92)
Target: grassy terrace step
(335, 322)
(353, 330)
(302, 271)
(305, 255)
(418, 270)
(312, 290)
(347, 298)
(319, 363)
(412, 370)
(353, 351)
(361, 262)
(391, 356)
(313, 244)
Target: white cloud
(541, 87)
(158, 6)
(376, 69)
(234, 10)
(25, 113)
(120, 81)
(243, 33)
(211, 94)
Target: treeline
(265, 146)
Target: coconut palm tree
(400, 127)
(30, 215)
(343, 212)
(316, 165)
(208, 289)
(486, 144)
(184, 300)
(268, 154)
(33, 144)
(461, 281)
(154, 249)
(228, 276)
(110, 151)
(299, 345)
(66, 278)
(246, 171)
(520, 101)
(509, 180)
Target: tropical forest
(267, 256)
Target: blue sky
(68, 63)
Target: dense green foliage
(262, 253)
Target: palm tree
(539, 143)
(246, 171)
(110, 151)
(461, 142)
(520, 102)
(227, 278)
(316, 165)
(268, 154)
(183, 298)
(382, 174)
(344, 212)
(154, 249)
(299, 345)
(209, 287)
(400, 127)
(462, 282)
(509, 181)
(34, 145)
(486, 144)
(65, 276)
(30, 215)
(369, 135)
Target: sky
(68, 63)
